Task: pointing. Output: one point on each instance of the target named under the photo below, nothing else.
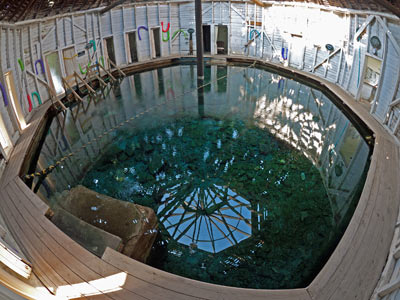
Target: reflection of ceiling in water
(211, 219)
(293, 112)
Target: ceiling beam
(111, 6)
(23, 13)
(394, 8)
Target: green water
(236, 206)
(253, 189)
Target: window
(12, 93)
(69, 58)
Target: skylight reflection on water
(210, 219)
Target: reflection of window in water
(72, 131)
(222, 79)
(138, 85)
(160, 82)
(207, 78)
(350, 144)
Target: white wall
(303, 30)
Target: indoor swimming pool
(252, 184)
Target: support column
(200, 56)
(199, 39)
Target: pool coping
(352, 271)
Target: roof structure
(14, 11)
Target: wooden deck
(67, 269)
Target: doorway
(54, 71)
(221, 33)
(69, 58)
(297, 48)
(110, 50)
(155, 43)
(207, 38)
(132, 47)
(370, 81)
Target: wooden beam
(111, 6)
(53, 95)
(115, 66)
(326, 59)
(108, 73)
(12, 260)
(389, 288)
(394, 9)
(396, 127)
(72, 90)
(394, 103)
(89, 88)
(390, 35)
(77, 26)
(100, 80)
(23, 14)
(259, 3)
(363, 26)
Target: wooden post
(108, 73)
(89, 88)
(54, 96)
(115, 66)
(72, 90)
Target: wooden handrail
(115, 66)
(89, 88)
(73, 92)
(325, 59)
(53, 95)
(100, 80)
(394, 103)
(108, 73)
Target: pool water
(252, 188)
(235, 205)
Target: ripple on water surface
(253, 185)
(235, 205)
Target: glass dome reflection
(211, 219)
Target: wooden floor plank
(82, 258)
(188, 288)
(40, 267)
(22, 147)
(37, 269)
(373, 235)
(326, 282)
(323, 281)
(77, 273)
(376, 239)
(40, 252)
(36, 201)
(74, 255)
